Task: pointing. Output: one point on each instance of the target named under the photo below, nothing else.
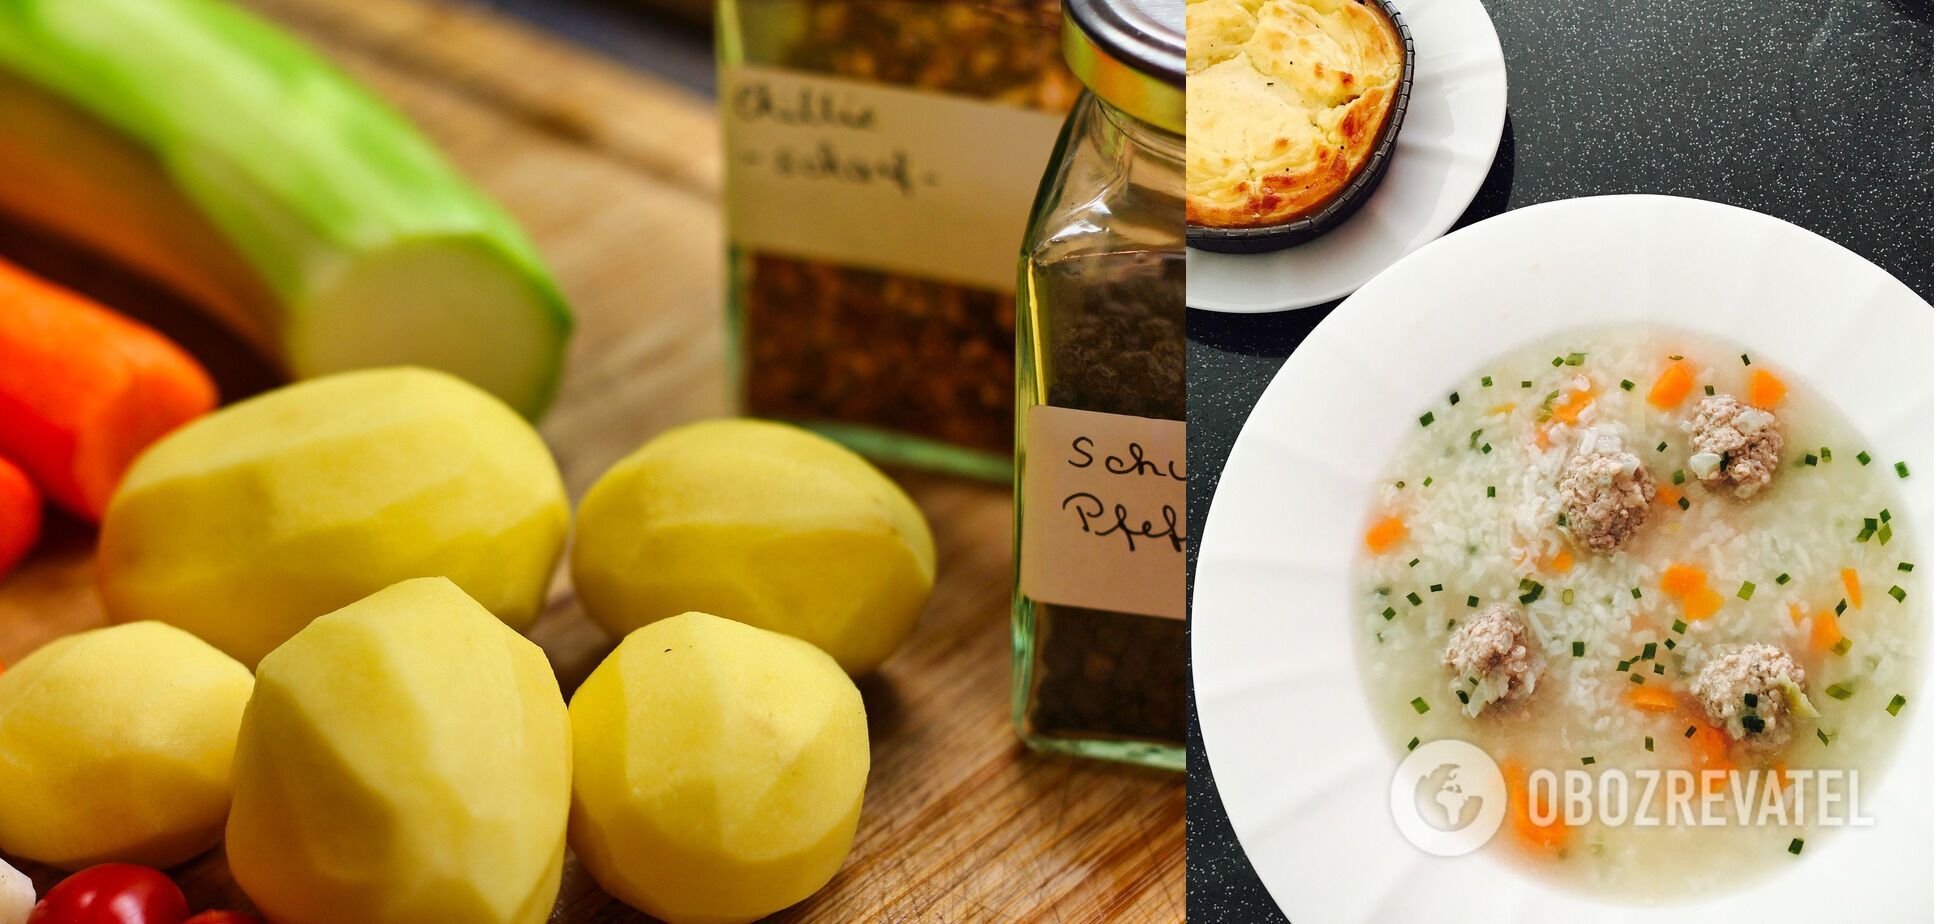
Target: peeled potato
(761, 523)
(405, 760)
(248, 523)
(718, 770)
(115, 746)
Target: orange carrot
(1765, 390)
(20, 516)
(1672, 387)
(1701, 604)
(1795, 613)
(83, 390)
(1681, 580)
(1853, 586)
(1575, 405)
(1544, 838)
(1824, 631)
(1563, 562)
(1668, 495)
(1652, 699)
(1710, 746)
(1385, 534)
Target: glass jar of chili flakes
(1099, 605)
(881, 159)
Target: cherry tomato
(224, 917)
(112, 893)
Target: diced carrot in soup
(1385, 535)
(1824, 631)
(1563, 562)
(1546, 837)
(1652, 699)
(1765, 390)
(1672, 387)
(1701, 604)
(1576, 402)
(1853, 587)
(1668, 495)
(1680, 580)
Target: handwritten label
(887, 178)
(1104, 512)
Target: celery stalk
(373, 249)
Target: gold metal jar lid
(1133, 54)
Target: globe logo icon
(1448, 797)
(1442, 801)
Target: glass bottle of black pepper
(1100, 645)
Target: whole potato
(115, 747)
(247, 524)
(718, 770)
(404, 760)
(762, 523)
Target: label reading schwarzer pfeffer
(1104, 512)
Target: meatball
(1737, 447)
(1753, 693)
(1491, 661)
(1604, 493)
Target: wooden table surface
(617, 178)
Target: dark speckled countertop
(1816, 111)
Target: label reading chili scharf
(1104, 502)
(880, 177)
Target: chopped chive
(1679, 476)
(1454, 397)
(1680, 628)
(1753, 723)
(1683, 503)
(1747, 590)
(1533, 592)
(1424, 420)
(1650, 742)
(1903, 471)
(1413, 563)
(1560, 520)
(1427, 481)
(1526, 384)
(1883, 535)
(1566, 596)
(1622, 668)
(1486, 381)
(1795, 846)
(1636, 678)
(1897, 592)
(1660, 668)
(1809, 459)
(1400, 486)
(1474, 438)
(1574, 359)
(1824, 736)
(1906, 567)
(1869, 529)
(1884, 515)
(1559, 361)
(1863, 458)
(1675, 358)
(1390, 613)
(1626, 385)
(1471, 602)
(1824, 452)
(1420, 705)
(1842, 606)
(1579, 649)
(1841, 647)
(1491, 490)
(1662, 447)
(1839, 691)
(1411, 745)
(1709, 389)
(1648, 651)
(1744, 359)
(1636, 593)
(1750, 700)
(1782, 578)
(1586, 761)
(1486, 449)
(1414, 598)
(1689, 733)
(1464, 698)
(1896, 704)
(1436, 588)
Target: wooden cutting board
(617, 178)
